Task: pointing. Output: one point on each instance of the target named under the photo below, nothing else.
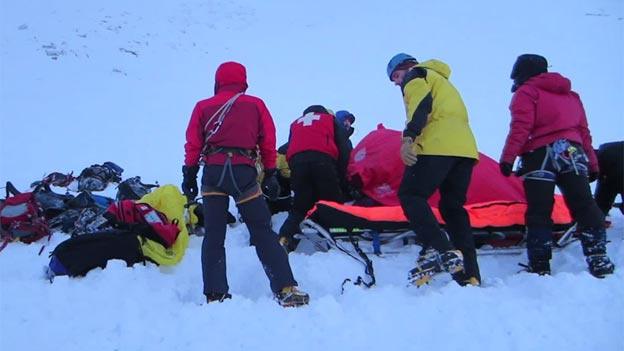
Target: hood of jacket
(438, 66)
(231, 76)
(552, 82)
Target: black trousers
(313, 176)
(540, 201)
(256, 216)
(574, 188)
(451, 175)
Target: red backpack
(21, 217)
(144, 220)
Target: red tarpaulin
(376, 161)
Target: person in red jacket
(317, 156)
(225, 132)
(549, 132)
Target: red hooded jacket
(247, 125)
(543, 110)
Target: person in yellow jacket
(439, 152)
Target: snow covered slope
(84, 82)
(155, 308)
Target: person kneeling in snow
(549, 132)
(224, 132)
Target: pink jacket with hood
(543, 110)
(248, 125)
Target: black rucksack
(53, 204)
(83, 214)
(97, 177)
(133, 189)
(78, 255)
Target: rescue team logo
(308, 119)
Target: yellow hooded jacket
(437, 119)
(168, 200)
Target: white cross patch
(308, 119)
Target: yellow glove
(408, 156)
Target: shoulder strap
(220, 115)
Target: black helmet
(525, 67)
(315, 108)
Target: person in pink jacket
(550, 134)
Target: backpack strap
(361, 256)
(364, 260)
(220, 115)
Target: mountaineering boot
(427, 264)
(539, 250)
(452, 261)
(541, 267)
(431, 263)
(289, 229)
(472, 281)
(290, 296)
(600, 265)
(428, 254)
(594, 243)
(537, 266)
(217, 297)
(463, 280)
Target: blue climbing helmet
(396, 60)
(343, 115)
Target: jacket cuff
(190, 171)
(409, 134)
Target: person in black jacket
(346, 120)
(611, 177)
(317, 155)
(350, 191)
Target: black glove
(189, 184)
(270, 185)
(506, 168)
(593, 176)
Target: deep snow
(156, 308)
(87, 82)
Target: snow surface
(84, 82)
